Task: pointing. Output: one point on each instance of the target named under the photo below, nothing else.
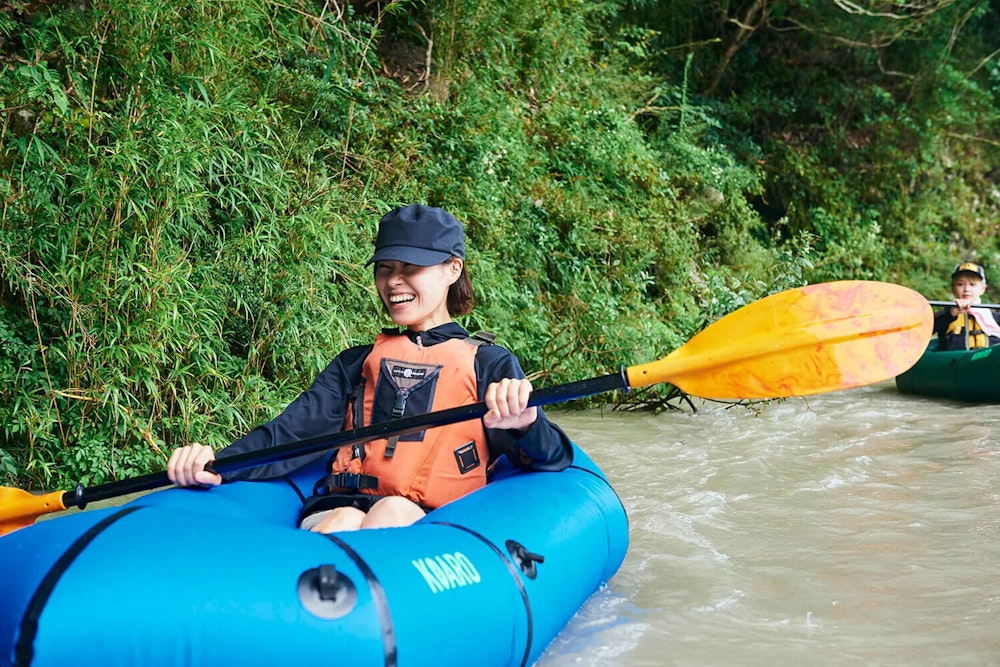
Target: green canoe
(962, 375)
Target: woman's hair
(460, 296)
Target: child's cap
(418, 235)
(969, 267)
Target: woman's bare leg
(393, 511)
(332, 521)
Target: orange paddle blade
(19, 508)
(803, 341)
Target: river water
(860, 527)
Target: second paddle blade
(803, 341)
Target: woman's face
(416, 297)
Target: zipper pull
(420, 343)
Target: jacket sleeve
(543, 446)
(319, 410)
(942, 319)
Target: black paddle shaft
(80, 496)
(992, 306)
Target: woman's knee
(393, 511)
(332, 521)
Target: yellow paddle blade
(19, 508)
(803, 341)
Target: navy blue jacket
(946, 341)
(322, 408)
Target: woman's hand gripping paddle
(809, 340)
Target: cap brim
(409, 255)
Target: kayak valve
(524, 559)
(326, 593)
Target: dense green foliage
(190, 189)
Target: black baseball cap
(969, 267)
(419, 235)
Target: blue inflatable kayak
(223, 577)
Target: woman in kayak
(431, 363)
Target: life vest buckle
(344, 482)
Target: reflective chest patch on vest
(407, 375)
(467, 457)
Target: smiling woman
(431, 364)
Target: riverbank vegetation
(190, 188)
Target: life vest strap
(481, 338)
(344, 481)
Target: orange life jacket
(401, 378)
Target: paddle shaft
(81, 496)
(833, 336)
(992, 306)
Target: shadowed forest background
(189, 189)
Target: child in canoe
(430, 363)
(963, 326)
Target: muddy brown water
(860, 527)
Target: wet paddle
(809, 340)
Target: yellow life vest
(977, 335)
